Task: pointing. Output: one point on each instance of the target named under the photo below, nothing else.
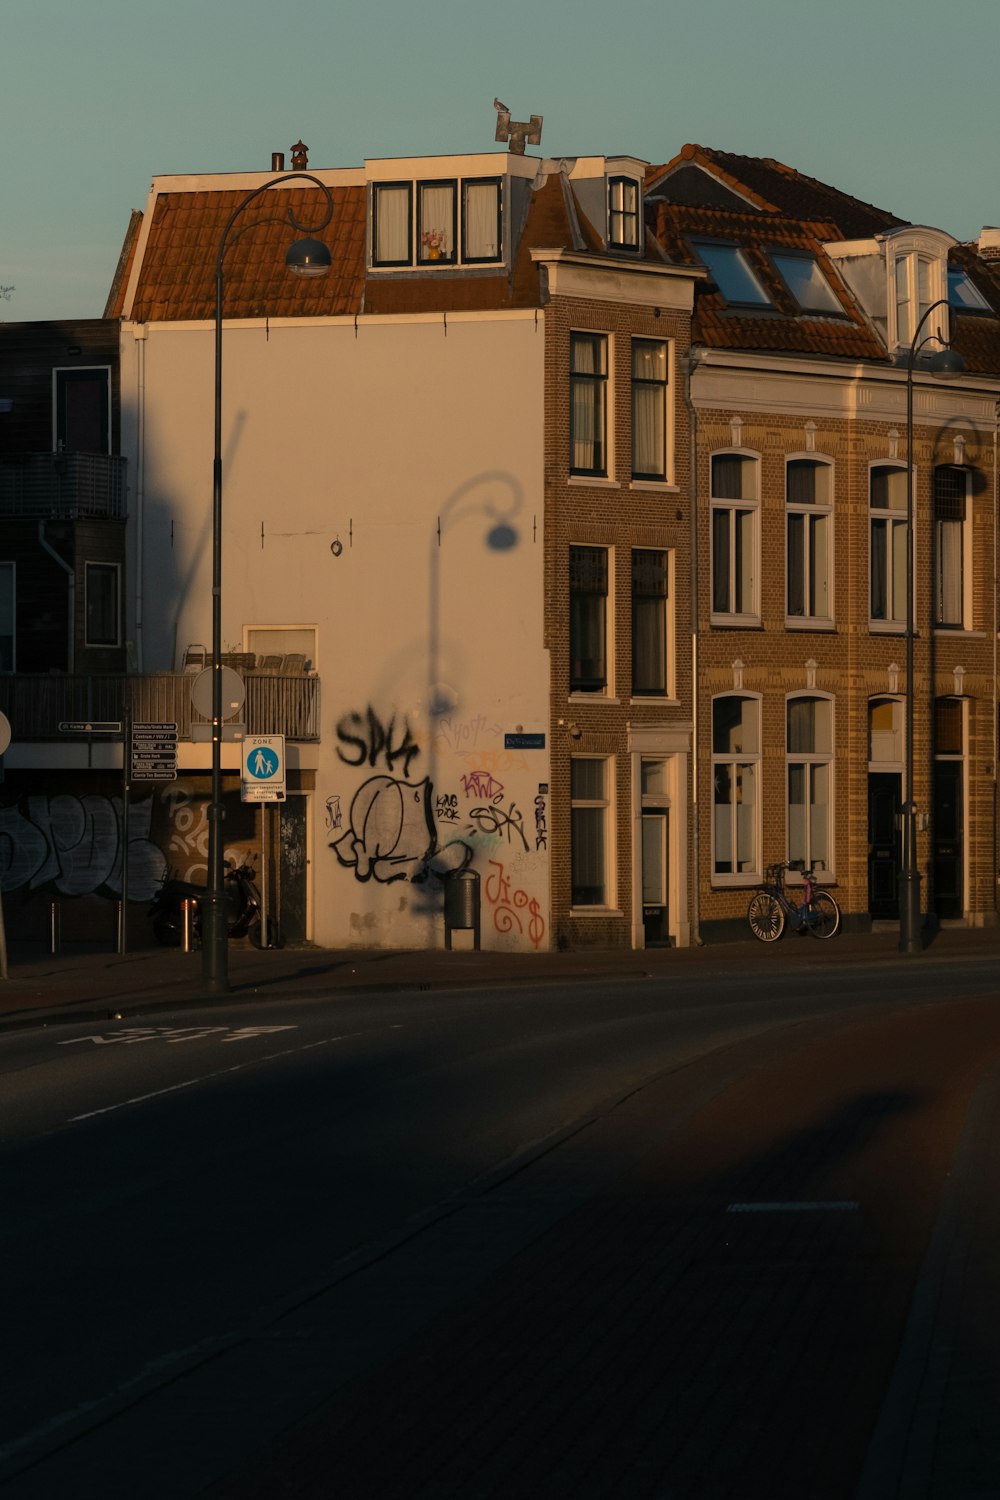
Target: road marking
(190, 1083)
(795, 1206)
(129, 1035)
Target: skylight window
(731, 273)
(807, 284)
(963, 295)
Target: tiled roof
(784, 326)
(774, 187)
(177, 276)
(977, 335)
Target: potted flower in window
(434, 242)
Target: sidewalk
(86, 981)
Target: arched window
(808, 534)
(809, 757)
(735, 781)
(736, 536)
(887, 535)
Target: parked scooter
(243, 909)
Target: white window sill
(809, 622)
(735, 882)
(961, 630)
(578, 698)
(655, 486)
(887, 627)
(592, 482)
(736, 622)
(657, 702)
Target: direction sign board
(262, 777)
(154, 752)
(90, 726)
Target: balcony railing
(37, 705)
(63, 486)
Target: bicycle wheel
(766, 918)
(823, 917)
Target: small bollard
(187, 924)
(55, 927)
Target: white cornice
(727, 381)
(610, 279)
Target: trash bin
(461, 905)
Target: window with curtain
(809, 751)
(588, 618)
(650, 572)
(481, 220)
(951, 487)
(734, 506)
(649, 409)
(589, 834)
(808, 520)
(887, 525)
(623, 213)
(588, 405)
(913, 296)
(436, 222)
(735, 777)
(391, 207)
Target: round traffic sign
(234, 693)
(262, 762)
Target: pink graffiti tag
(481, 784)
(512, 907)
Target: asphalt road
(213, 1219)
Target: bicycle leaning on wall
(771, 906)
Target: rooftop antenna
(517, 132)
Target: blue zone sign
(263, 770)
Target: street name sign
(262, 777)
(154, 752)
(90, 726)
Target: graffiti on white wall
(390, 833)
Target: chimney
(989, 244)
(277, 161)
(300, 156)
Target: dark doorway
(82, 411)
(948, 860)
(654, 878)
(293, 869)
(884, 806)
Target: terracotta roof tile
(717, 324)
(773, 186)
(177, 277)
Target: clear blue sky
(888, 99)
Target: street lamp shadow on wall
(943, 363)
(306, 257)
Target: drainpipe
(71, 575)
(996, 626)
(695, 606)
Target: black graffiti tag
(369, 740)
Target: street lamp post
(944, 363)
(305, 257)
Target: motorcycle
(244, 916)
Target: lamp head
(308, 258)
(945, 364)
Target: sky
(886, 99)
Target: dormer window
(914, 294)
(623, 213)
(807, 284)
(731, 273)
(443, 222)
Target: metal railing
(37, 705)
(63, 486)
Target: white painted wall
(381, 436)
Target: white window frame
(623, 214)
(810, 760)
(605, 693)
(604, 804)
(906, 271)
(664, 407)
(896, 522)
(11, 567)
(822, 511)
(669, 617)
(964, 527)
(258, 628)
(735, 507)
(602, 383)
(105, 567)
(723, 762)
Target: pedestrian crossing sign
(263, 768)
